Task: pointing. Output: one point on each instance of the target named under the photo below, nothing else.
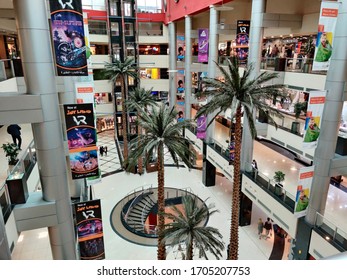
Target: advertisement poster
(242, 40)
(180, 83)
(303, 191)
(89, 230)
(180, 48)
(203, 45)
(313, 118)
(326, 28)
(201, 126)
(68, 38)
(81, 138)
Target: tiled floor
(34, 244)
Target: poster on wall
(68, 38)
(180, 83)
(203, 45)
(242, 40)
(303, 191)
(326, 28)
(89, 230)
(313, 118)
(81, 138)
(180, 48)
(201, 126)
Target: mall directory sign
(68, 38)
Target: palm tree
(188, 227)
(119, 70)
(137, 100)
(240, 93)
(162, 130)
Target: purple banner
(203, 45)
(201, 127)
(68, 38)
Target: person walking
(14, 131)
(260, 228)
(268, 228)
(105, 150)
(102, 150)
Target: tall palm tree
(137, 100)
(243, 95)
(120, 71)
(162, 130)
(188, 226)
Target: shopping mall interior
(40, 195)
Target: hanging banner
(180, 48)
(81, 138)
(303, 191)
(326, 28)
(242, 40)
(203, 45)
(68, 38)
(313, 118)
(89, 230)
(201, 126)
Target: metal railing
(6, 69)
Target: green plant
(11, 151)
(300, 107)
(279, 177)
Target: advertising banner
(89, 230)
(203, 45)
(242, 40)
(180, 48)
(313, 118)
(326, 28)
(303, 191)
(81, 138)
(68, 38)
(201, 126)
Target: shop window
(128, 9)
(116, 51)
(113, 8)
(129, 29)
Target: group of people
(103, 150)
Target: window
(129, 29)
(116, 51)
(113, 8)
(128, 9)
(114, 29)
(97, 27)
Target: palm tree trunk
(190, 252)
(161, 202)
(140, 160)
(124, 121)
(235, 209)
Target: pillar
(187, 66)
(254, 58)
(39, 75)
(5, 253)
(336, 95)
(172, 64)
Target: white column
(39, 74)
(172, 64)
(336, 94)
(187, 66)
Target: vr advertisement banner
(90, 230)
(313, 118)
(326, 28)
(81, 137)
(68, 38)
(303, 191)
(203, 45)
(242, 40)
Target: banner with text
(68, 38)
(203, 45)
(303, 191)
(201, 126)
(90, 230)
(313, 118)
(326, 28)
(242, 40)
(81, 138)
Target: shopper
(102, 150)
(105, 150)
(260, 228)
(14, 131)
(268, 228)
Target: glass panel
(116, 51)
(114, 29)
(127, 9)
(129, 29)
(113, 8)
